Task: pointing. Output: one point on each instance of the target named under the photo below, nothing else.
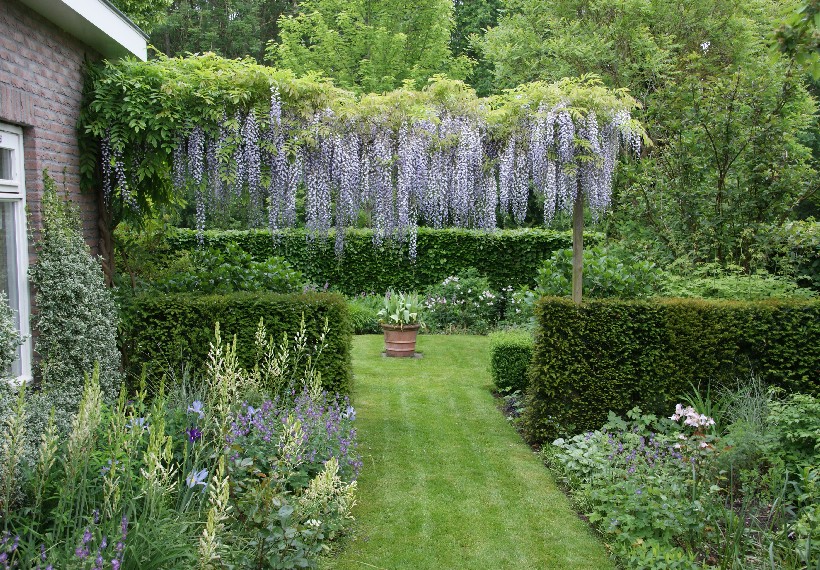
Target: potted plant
(400, 320)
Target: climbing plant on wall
(439, 156)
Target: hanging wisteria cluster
(444, 170)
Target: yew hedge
(613, 355)
(170, 331)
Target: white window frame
(14, 191)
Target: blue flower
(195, 478)
(197, 407)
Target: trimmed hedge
(510, 355)
(505, 257)
(614, 355)
(168, 331)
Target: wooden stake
(578, 248)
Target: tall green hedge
(168, 331)
(612, 355)
(506, 257)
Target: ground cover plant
(446, 482)
(737, 490)
(248, 468)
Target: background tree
(729, 124)
(369, 45)
(799, 36)
(471, 20)
(145, 13)
(230, 28)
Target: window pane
(8, 267)
(6, 163)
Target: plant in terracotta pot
(400, 320)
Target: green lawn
(447, 483)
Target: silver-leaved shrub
(75, 315)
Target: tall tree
(230, 28)
(369, 45)
(728, 122)
(472, 19)
(147, 14)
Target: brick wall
(41, 81)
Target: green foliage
(793, 249)
(10, 339)
(510, 355)
(729, 124)
(506, 257)
(472, 18)
(76, 318)
(230, 28)
(612, 355)
(144, 13)
(400, 309)
(462, 303)
(709, 281)
(364, 313)
(799, 36)
(659, 491)
(216, 271)
(373, 46)
(608, 272)
(167, 331)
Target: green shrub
(76, 319)
(168, 331)
(510, 355)
(460, 303)
(612, 355)
(364, 313)
(718, 283)
(10, 339)
(793, 249)
(505, 257)
(607, 273)
(217, 271)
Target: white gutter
(96, 23)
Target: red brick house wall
(41, 80)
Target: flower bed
(689, 492)
(249, 469)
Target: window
(14, 243)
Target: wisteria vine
(447, 169)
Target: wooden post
(578, 248)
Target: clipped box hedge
(166, 331)
(506, 257)
(510, 355)
(612, 355)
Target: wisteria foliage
(448, 170)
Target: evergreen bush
(611, 355)
(171, 331)
(510, 355)
(76, 318)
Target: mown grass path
(447, 483)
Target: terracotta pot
(400, 341)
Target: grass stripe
(447, 483)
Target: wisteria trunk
(578, 248)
